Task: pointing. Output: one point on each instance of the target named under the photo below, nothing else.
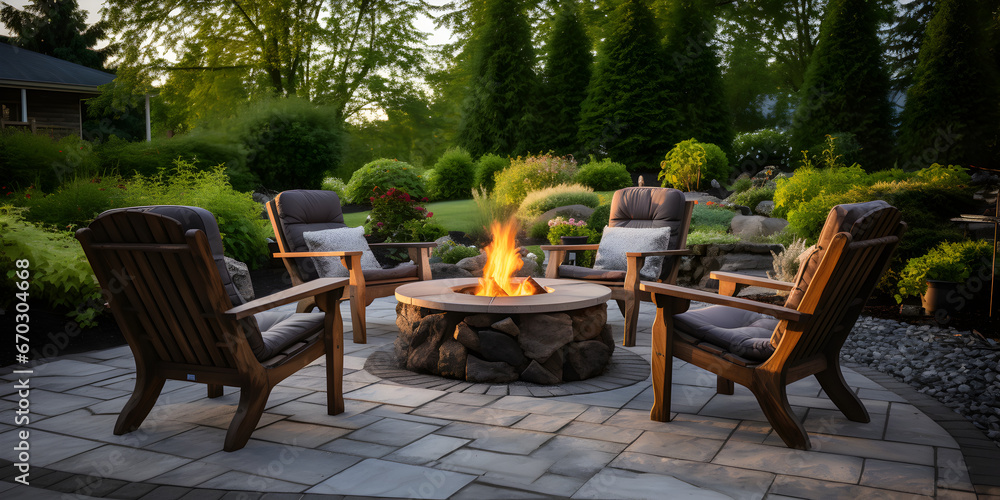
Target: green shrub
(450, 252)
(600, 218)
(531, 174)
(336, 185)
(538, 202)
(752, 197)
(711, 237)
(809, 182)
(741, 185)
(28, 159)
(487, 168)
(762, 148)
(452, 176)
(947, 261)
(204, 150)
(711, 218)
(391, 209)
(691, 165)
(76, 202)
(290, 142)
(244, 233)
(384, 174)
(59, 271)
(604, 175)
(539, 230)
(417, 231)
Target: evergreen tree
(905, 40)
(846, 87)
(691, 58)
(497, 113)
(56, 28)
(628, 114)
(952, 113)
(564, 82)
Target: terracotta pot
(936, 296)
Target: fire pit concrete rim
(565, 295)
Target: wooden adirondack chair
(295, 212)
(766, 347)
(639, 207)
(163, 276)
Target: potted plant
(573, 232)
(935, 275)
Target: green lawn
(456, 215)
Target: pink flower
(380, 224)
(429, 214)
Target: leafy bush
(600, 218)
(392, 209)
(604, 175)
(244, 233)
(76, 202)
(452, 176)
(384, 174)
(762, 148)
(486, 169)
(450, 252)
(417, 231)
(203, 150)
(710, 237)
(692, 165)
(741, 185)
(290, 142)
(947, 261)
(711, 218)
(752, 197)
(538, 202)
(60, 273)
(336, 185)
(809, 182)
(531, 174)
(29, 159)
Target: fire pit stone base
(542, 348)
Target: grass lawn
(455, 215)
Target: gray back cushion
(301, 211)
(651, 207)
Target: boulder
(756, 225)
(473, 265)
(241, 278)
(482, 320)
(467, 337)
(554, 364)
(543, 334)
(452, 358)
(587, 322)
(537, 374)
(764, 208)
(507, 326)
(442, 271)
(486, 372)
(745, 261)
(585, 360)
(569, 211)
(495, 346)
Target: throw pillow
(341, 239)
(616, 241)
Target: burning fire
(503, 260)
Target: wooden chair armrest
(285, 255)
(570, 248)
(772, 310)
(743, 279)
(418, 244)
(294, 294)
(665, 253)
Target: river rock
(543, 334)
(487, 372)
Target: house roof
(26, 69)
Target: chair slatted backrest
(296, 212)
(174, 293)
(842, 284)
(645, 207)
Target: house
(45, 94)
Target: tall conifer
(564, 83)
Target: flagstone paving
(425, 437)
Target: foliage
(391, 209)
(488, 210)
(604, 175)
(600, 218)
(947, 261)
(711, 237)
(559, 227)
(336, 185)
(498, 112)
(34, 159)
(905, 40)
(753, 196)
(203, 150)
(531, 174)
(951, 113)
(711, 218)
(60, 273)
(629, 113)
(58, 29)
(692, 165)
(290, 142)
(762, 148)
(564, 82)
(452, 176)
(383, 174)
(846, 87)
(244, 233)
(786, 263)
(809, 182)
(486, 169)
(692, 60)
(538, 202)
(837, 150)
(741, 184)
(417, 231)
(450, 252)
(76, 202)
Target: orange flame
(503, 260)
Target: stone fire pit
(545, 339)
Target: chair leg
(832, 382)
(358, 315)
(147, 389)
(631, 319)
(334, 350)
(214, 390)
(253, 399)
(621, 306)
(723, 385)
(773, 400)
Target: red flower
(430, 214)
(27, 196)
(423, 199)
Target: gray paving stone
(46, 447)
(358, 448)
(548, 484)
(594, 431)
(119, 462)
(427, 449)
(167, 493)
(521, 468)
(394, 394)
(596, 414)
(392, 432)
(614, 483)
(868, 448)
(542, 423)
(952, 472)
(373, 477)
(560, 447)
(733, 481)
(192, 474)
(802, 487)
(582, 465)
(669, 445)
(352, 418)
(53, 403)
(488, 416)
(835, 423)
(299, 434)
(467, 399)
(500, 439)
(283, 462)
(539, 406)
(479, 490)
(233, 480)
(909, 425)
(780, 460)
(196, 443)
(897, 476)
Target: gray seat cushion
(586, 273)
(743, 333)
(283, 329)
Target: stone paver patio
(442, 440)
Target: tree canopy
(56, 28)
(564, 82)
